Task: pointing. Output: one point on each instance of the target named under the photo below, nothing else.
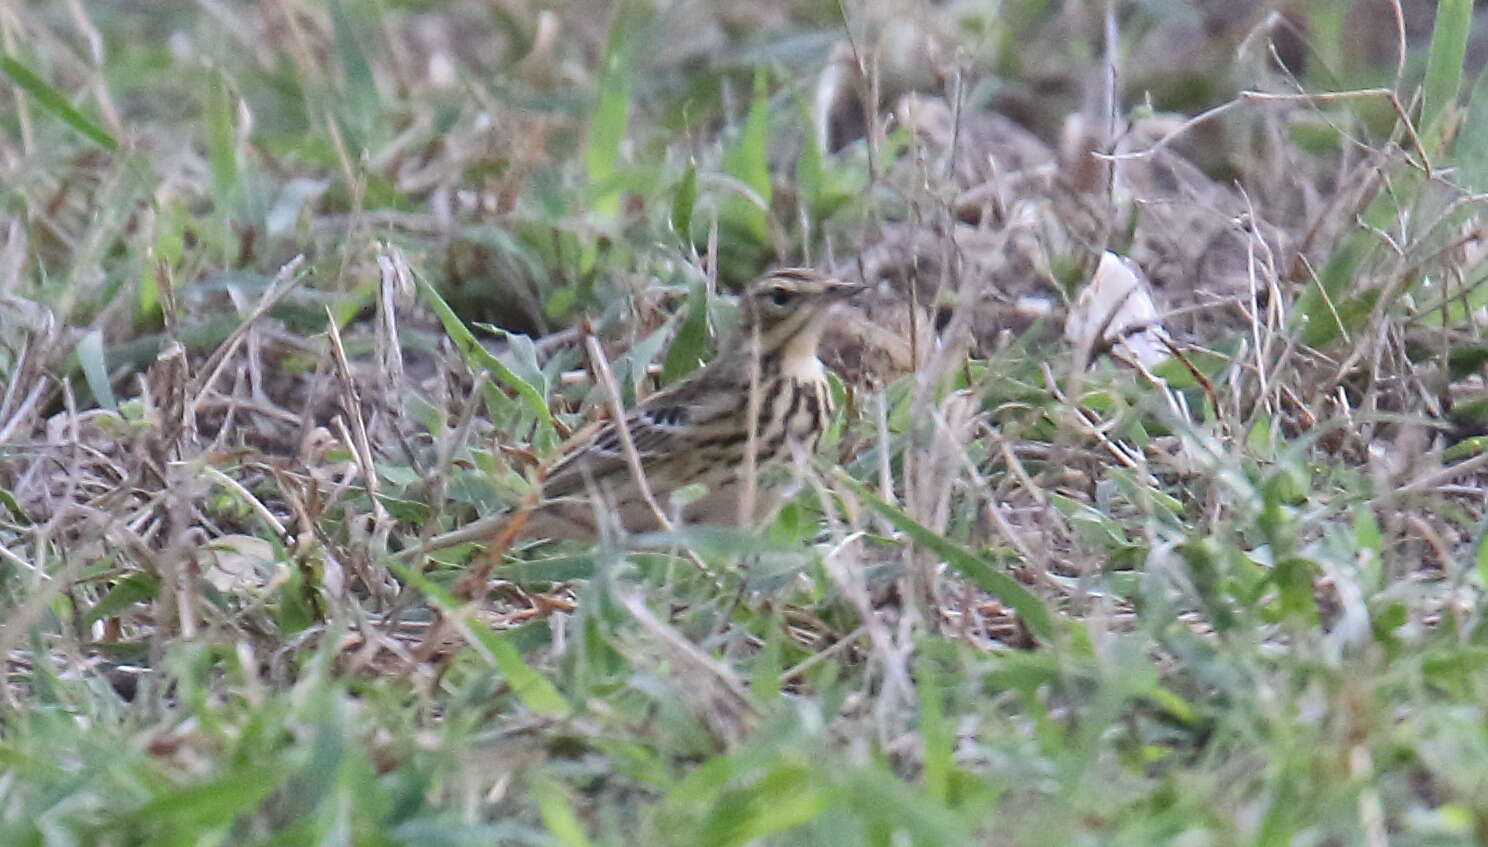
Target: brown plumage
(696, 432)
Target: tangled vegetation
(293, 289)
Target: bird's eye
(780, 296)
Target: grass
(290, 288)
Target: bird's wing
(656, 429)
(662, 425)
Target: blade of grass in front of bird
(1028, 606)
(531, 687)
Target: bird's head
(790, 306)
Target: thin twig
(284, 281)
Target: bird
(694, 437)
(695, 433)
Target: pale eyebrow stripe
(802, 274)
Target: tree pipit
(721, 440)
(725, 435)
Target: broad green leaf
(359, 103)
(1205, 558)
(125, 593)
(1444, 66)
(1293, 576)
(52, 100)
(787, 795)
(1260, 440)
(607, 126)
(296, 608)
(552, 569)
(636, 759)
(214, 802)
(1472, 139)
(630, 369)
(687, 348)
(809, 177)
(713, 542)
(747, 160)
(764, 677)
(522, 354)
(1367, 533)
(1006, 589)
(700, 786)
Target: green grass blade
(1033, 611)
(95, 368)
(1322, 304)
(478, 355)
(52, 100)
(790, 793)
(531, 687)
(222, 142)
(557, 810)
(215, 802)
(608, 125)
(1480, 560)
(682, 203)
(523, 356)
(936, 731)
(893, 806)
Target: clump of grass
(291, 289)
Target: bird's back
(693, 433)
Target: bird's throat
(803, 368)
(798, 357)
